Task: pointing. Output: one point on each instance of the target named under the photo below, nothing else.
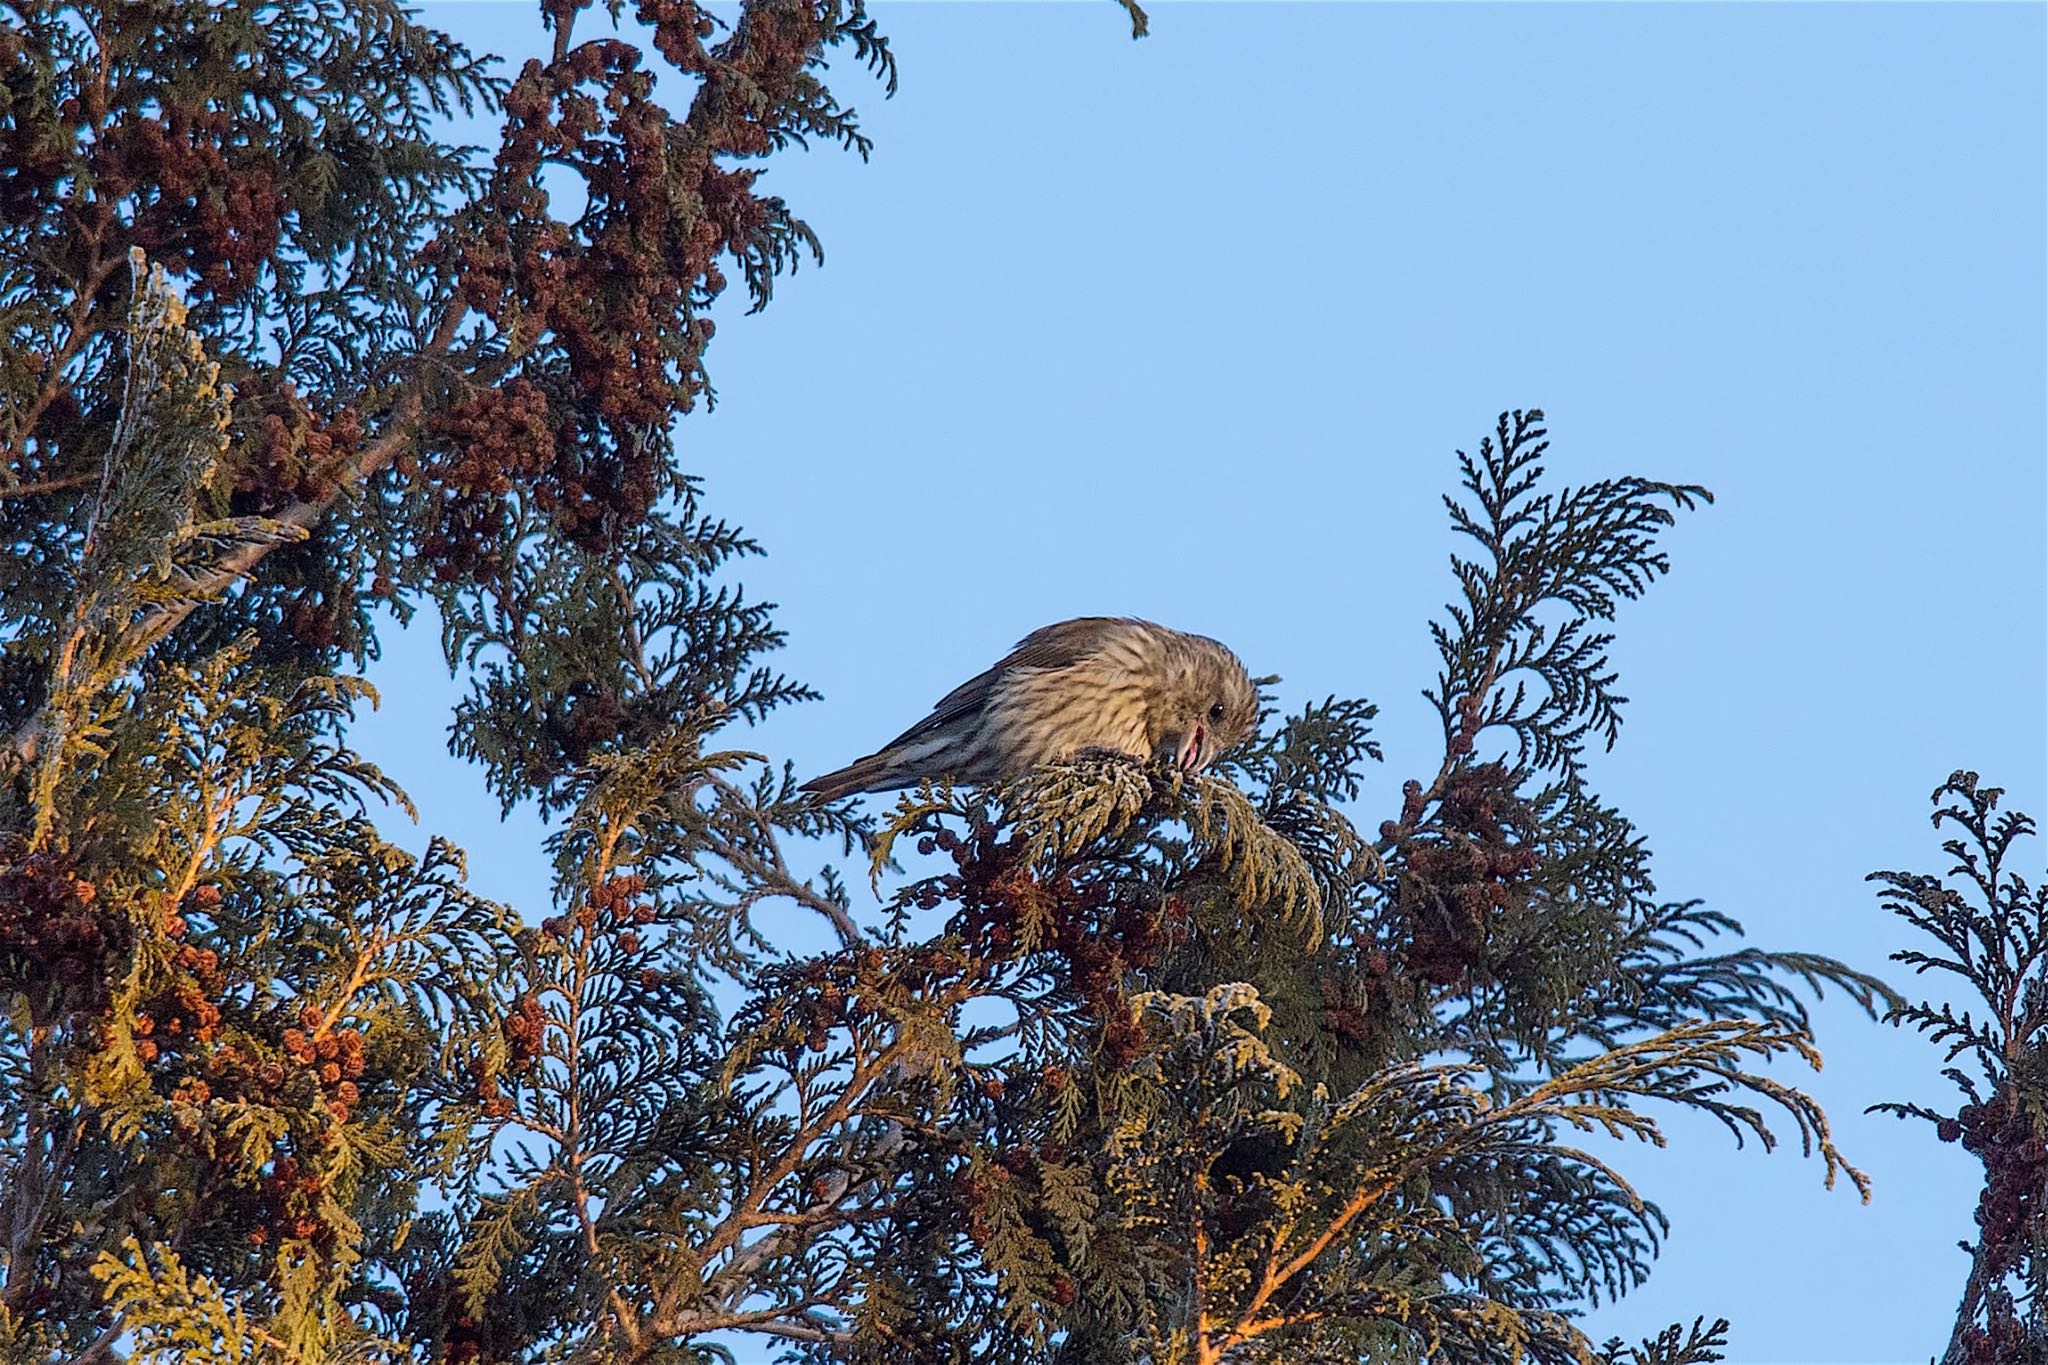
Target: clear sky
(1189, 328)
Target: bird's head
(1207, 706)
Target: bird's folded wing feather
(1054, 646)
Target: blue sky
(1189, 328)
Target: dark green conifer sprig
(1990, 932)
(571, 654)
(1676, 1345)
(1522, 902)
(1576, 551)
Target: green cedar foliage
(1122, 1066)
(1989, 932)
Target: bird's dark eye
(1216, 711)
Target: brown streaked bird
(1096, 682)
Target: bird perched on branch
(1096, 682)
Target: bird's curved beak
(1191, 757)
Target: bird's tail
(902, 764)
(874, 773)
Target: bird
(1111, 683)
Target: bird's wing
(903, 759)
(1054, 646)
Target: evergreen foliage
(1121, 1066)
(1990, 933)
